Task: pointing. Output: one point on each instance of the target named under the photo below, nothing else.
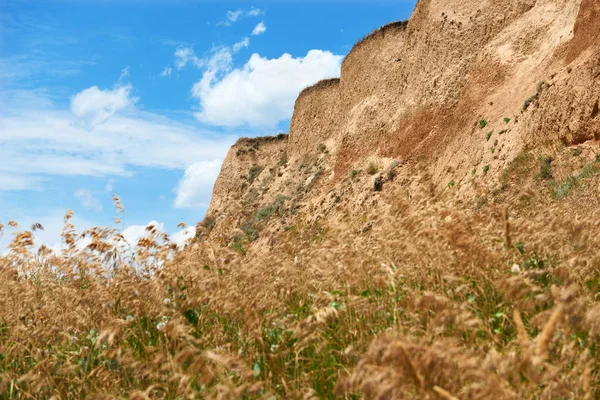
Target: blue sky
(143, 98)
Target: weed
(474, 172)
(354, 173)
(565, 189)
(546, 168)
(540, 86)
(451, 183)
(283, 159)
(506, 120)
(482, 123)
(373, 168)
(255, 170)
(529, 100)
(488, 136)
(486, 169)
(238, 245)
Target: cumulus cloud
(195, 188)
(88, 200)
(259, 29)
(263, 91)
(94, 106)
(134, 233)
(182, 237)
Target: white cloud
(182, 237)
(53, 223)
(259, 29)
(43, 142)
(185, 55)
(88, 200)
(254, 12)
(262, 92)
(244, 43)
(234, 16)
(94, 106)
(124, 73)
(166, 72)
(195, 188)
(134, 233)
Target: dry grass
(439, 300)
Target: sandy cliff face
(457, 92)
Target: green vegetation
(354, 173)
(546, 168)
(283, 159)
(540, 86)
(506, 120)
(322, 148)
(486, 169)
(565, 189)
(488, 135)
(255, 170)
(451, 183)
(482, 123)
(373, 168)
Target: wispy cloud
(244, 43)
(42, 141)
(166, 72)
(259, 29)
(88, 200)
(234, 16)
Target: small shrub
(238, 245)
(378, 184)
(283, 159)
(529, 100)
(482, 123)
(488, 136)
(451, 183)
(208, 223)
(506, 120)
(353, 173)
(255, 170)
(391, 174)
(546, 168)
(372, 169)
(540, 86)
(486, 169)
(474, 171)
(597, 158)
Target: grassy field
(446, 297)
